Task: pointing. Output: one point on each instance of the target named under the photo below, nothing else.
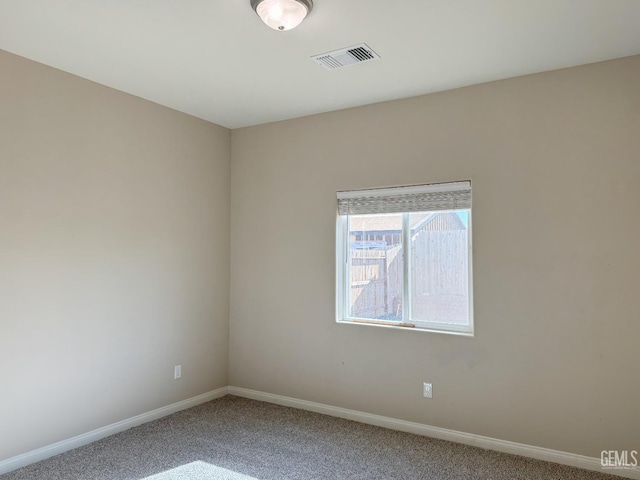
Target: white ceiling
(216, 60)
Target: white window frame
(343, 264)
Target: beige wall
(114, 257)
(554, 160)
(114, 264)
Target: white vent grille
(346, 57)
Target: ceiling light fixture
(282, 14)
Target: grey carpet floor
(234, 438)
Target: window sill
(406, 327)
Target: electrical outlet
(427, 390)
(177, 372)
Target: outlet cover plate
(427, 390)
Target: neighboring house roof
(393, 223)
(386, 223)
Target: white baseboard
(564, 458)
(539, 453)
(33, 456)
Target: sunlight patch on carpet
(199, 471)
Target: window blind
(420, 198)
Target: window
(404, 257)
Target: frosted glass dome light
(282, 14)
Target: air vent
(346, 57)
